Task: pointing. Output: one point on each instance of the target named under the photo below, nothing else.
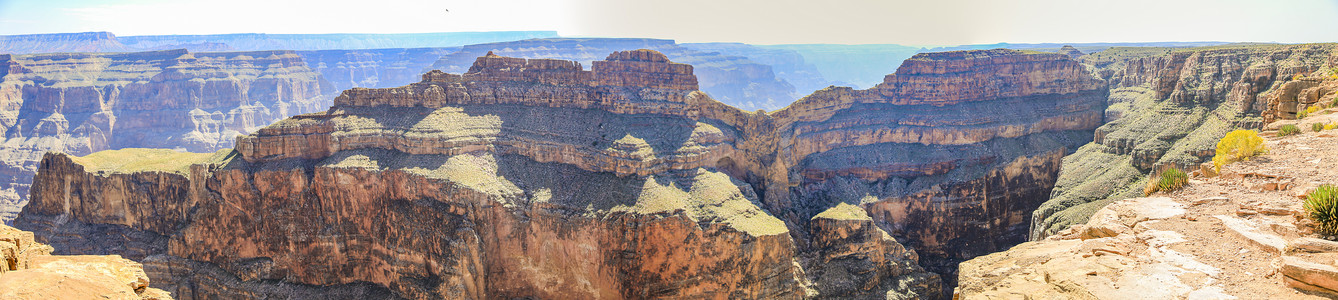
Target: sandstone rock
(1314, 245)
(1264, 240)
(1307, 275)
(31, 272)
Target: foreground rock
(86, 102)
(31, 272)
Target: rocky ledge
(31, 272)
(1241, 235)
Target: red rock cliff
(536, 178)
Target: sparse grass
(1322, 206)
(131, 160)
(1288, 129)
(844, 211)
(1169, 180)
(1237, 146)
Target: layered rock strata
(82, 103)
(539, 178)
(950, 154)
(734, 80)
(31, 272)
(1168, 108)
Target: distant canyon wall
(81, 103)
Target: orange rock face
(31, 272)
(537, 178)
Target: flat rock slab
(1268, 241)
(1309, 273)
(1313, 245)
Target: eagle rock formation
(539, 178)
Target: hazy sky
(946, 22)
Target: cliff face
(1168, 108)
(950, 154)
(540, 178)
(82, 103)
(734, 80)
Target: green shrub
(1288, 129)
(1169, 180)
(1322, 205)
(1301, 114)
(1317, 127)
(1237, 146)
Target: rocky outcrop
(734, 80)
(82, 103)
(540, 178)
(31, 272)
(950, 154)
(1168, 107)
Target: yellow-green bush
(1237, 146)
(1317, 127)
(1322, 206)
(1169, 180)
(1288, 129)
(1301, 114)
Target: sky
(930, 22)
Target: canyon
(540, 178)
(1169, 106)
(80, 103)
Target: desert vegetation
(1322, 207)
(1237, 146)
(1167, 181)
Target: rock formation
(31, 272)
(734, 80)
(540, 178)
(1168, 107)
(82, 103)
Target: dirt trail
(1240, 235)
